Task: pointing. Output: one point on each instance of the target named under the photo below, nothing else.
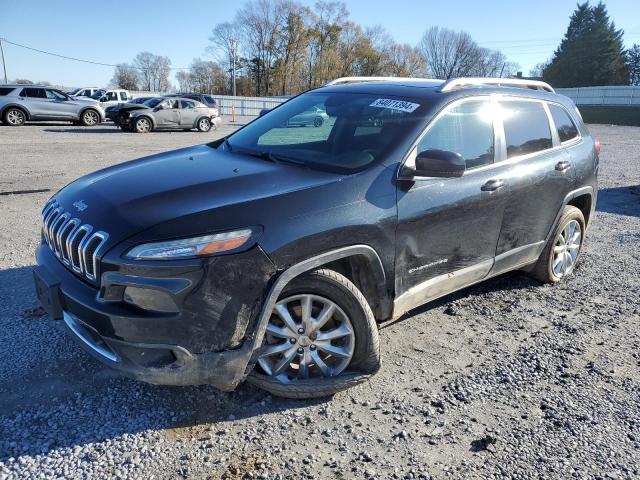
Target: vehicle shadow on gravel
(55, 396)
(620, 200)
(106, 129)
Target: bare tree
(448, 53)
(143, 62)
(125, 76)
(225, 46)
(406, 61)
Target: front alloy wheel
(308, 336)
(90, 118)
(321, 338)
(143, 125)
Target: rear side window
(33, 93)
(567, 130)
(467, 129)
(187, 104)
(5, 91)
(526, 127)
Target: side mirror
(264, 111)
(439, 163)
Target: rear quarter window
(5, 91)
(565, 126)
(526, 127)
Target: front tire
(318, 121)
(562, 252)
(14, 117)
(204, 125)
(142, 125)
(322, 338)
(90, 118)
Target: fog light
(148, 299)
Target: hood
(129, 198)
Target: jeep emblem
(80, 205)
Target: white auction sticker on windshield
(395, 104)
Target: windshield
(73, 92)
(98, 93)
(342, 132)
(152, 102)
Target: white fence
(614, 96)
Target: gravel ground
(508, 379)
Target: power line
(66, 57)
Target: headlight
(191, 247)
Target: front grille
(74, 243)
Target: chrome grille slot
(75, 244)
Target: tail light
(597, 145)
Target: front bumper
(208, 339)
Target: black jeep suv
(271, 254)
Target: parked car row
(90, 106)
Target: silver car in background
(20, 103)
(172, 113)
(315, 116)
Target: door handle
(563, 166)
(492, 185)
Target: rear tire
(365, 360)
(14, 117)
(204, 125)
(90, 118)
(562, 252)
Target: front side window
(123, 96)
(53, 95)
(465, 128)
(169, 104)
(526, 127)
(324, 130)
(567, 130)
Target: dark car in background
(272, 254)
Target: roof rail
(455, 83)
(344, 80)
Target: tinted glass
(526, 127)
(187, 104)
(467, 129)
(33, 93)
(564, 125)
(124, 96)
(332, 144)
(54, 95)
(5, 91)
(152, 102)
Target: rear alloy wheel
(142, 125)
(562, 253)
(204, 125)
(14, 117)
(321, 339)
(90, 118)
(318, 121)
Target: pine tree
(633, 62)
(591, 52)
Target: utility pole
(234, 52)
(4, 65)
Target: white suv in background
(83, 91)
(108, 98)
